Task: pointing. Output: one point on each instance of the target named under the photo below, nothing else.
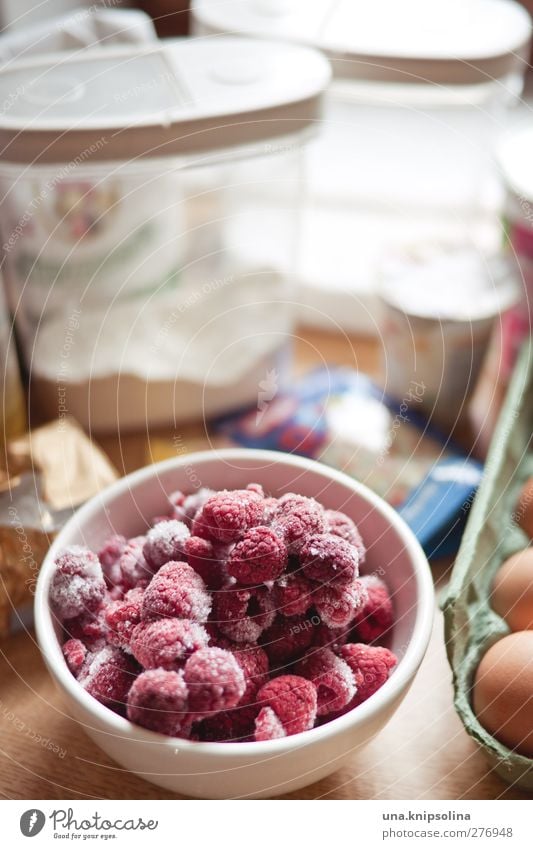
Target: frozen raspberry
(257, 488)
(75, 653)
(329, 559)
(253, 661)
(122, 616)
(243, 614)
(332, 677)
(287, 639)
(134, 569)
(90, 628)
(342, 526)
(78, 583)
(167, 643)
(296, 519)
(268, 726)
(165, 542)
(331, 638)
(107, 675)
(259, 557)
(293, 594)
(375, 617)
(215, 681)
(185, 507)
(158, 701)
(176, 591)
(109, 557)
(293, 701)
(228, 726)
(371, 666)
(226, 516)
(208, 560)
(270, 508)
(337, 606)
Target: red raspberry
(293, 594)
(268, 726)
(371, 666)
(165, 543)
(228, 726)
(296, 519)
(287, 639)
(176, 591)
(107, 675)
(242, 614)
(208, 560)
(167, 643)
(342, 526)
(332, 677)
(226, 516)
(122, 616)
(133, 566)
(259, 557)
(329, 559)
(293, 700)
(185, 507)
(90, 628)
(270, 508)
(75, 654)
(257, 488)
(78, 583)
(376, 616)
(158, 701)
(331, 638)
(337, 606)
(215, 681)
(109, 557)
(253, 661)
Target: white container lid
(181, 96)
(417, 41)
(516, 162)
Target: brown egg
(512, 591)
(523, 514)
(503, 692)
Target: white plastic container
(421, 89)
(149, 222)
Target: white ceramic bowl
(259, 770)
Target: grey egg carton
(491, 535)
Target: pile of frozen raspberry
(236, 617)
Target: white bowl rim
(120, 726)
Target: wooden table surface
(423, 753)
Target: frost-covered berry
(242, 614)
(329, 559)
(332, 677)
(268, 726)
(78, 583)
(90, 628)
(253, 661)
(215, 681)
(109, 557)
(293, 700)
(134, 569)
(107, 675)
(371, 667)
(259, 557)
(227, 515)
(158, 700)
(176, 591)
(338, 605)
(286, 639)
(376, 616)
(75, 653)
(185, 507)
(296, 519)
(229, 726)
(293, 594)
(122, 616)
(341, 525)
(165, 542)
(167, 643)
(208, 559)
